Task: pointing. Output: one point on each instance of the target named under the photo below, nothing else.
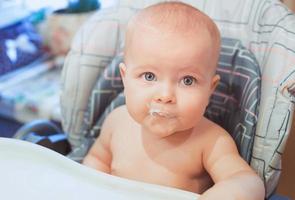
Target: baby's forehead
(172, 17)
(170, 20)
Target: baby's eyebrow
(193, 69)
(143, 67)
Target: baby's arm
(233, 177)
(99, 156)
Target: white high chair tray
(29, 171)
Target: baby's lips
(160, 113)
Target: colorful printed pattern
(234, 104)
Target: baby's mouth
(160, 113)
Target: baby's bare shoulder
(208, 134)
(221, 158)
(218, 143)
(115, 117)
(211, 129)
(215, 135)
(118, 113)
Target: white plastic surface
(29, 171)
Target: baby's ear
(122, 68)
(214, 82)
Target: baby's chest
(131, 157)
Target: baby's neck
(175, 138)
(154, 145)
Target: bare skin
(161, 136)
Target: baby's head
(173, 21)
(170, 58)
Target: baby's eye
(149, 76)
(188, 80)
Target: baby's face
(168, 80)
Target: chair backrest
(234, 103)
(264, 27)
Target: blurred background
(35, 36)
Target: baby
(161, 135)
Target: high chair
(254, 101)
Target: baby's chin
(161, 126)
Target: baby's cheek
(193, 107)
(192, 100)
(136, 109)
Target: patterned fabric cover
(266, 27)
(234, 104)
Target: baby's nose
(165, 94)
